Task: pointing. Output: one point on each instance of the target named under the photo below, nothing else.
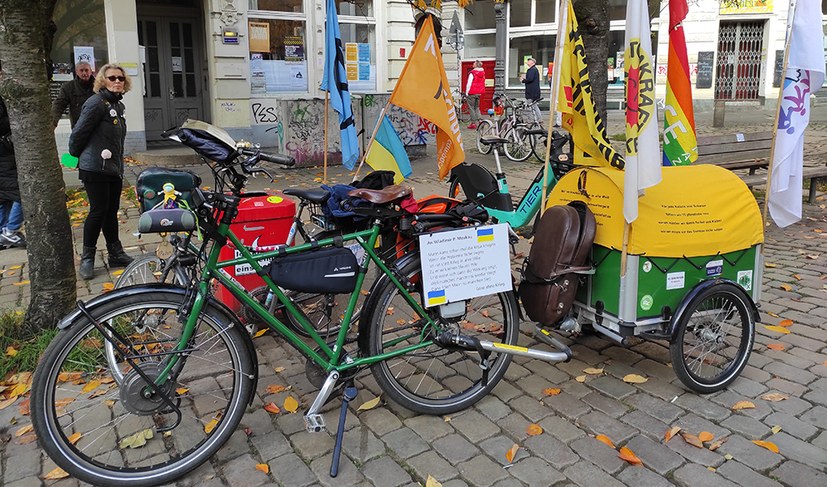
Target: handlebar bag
(331, 270)
(166, 220)
(149, 186)
(207, 145)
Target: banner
(745, 7)
(423, 89)
(805, 75)
(680, 146)
(643, 160)
(575, 102)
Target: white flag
(805, 74)
(643, 159)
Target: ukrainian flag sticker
(485, 235)
(436, 297)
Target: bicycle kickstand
(348, 395)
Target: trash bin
(263, 222)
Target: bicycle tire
(206, 383)
(455, 189)
(486, 128)
(518, 147)
(463, 112)
(148, 269)
(456, 381)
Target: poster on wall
(258, 84)
(293, 48)
(259, 36)
(364, 71)
(351, 52)
(352, 71)
(364, 53)
(746, 7)
(85, 54)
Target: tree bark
(593, 22)
(24, 85)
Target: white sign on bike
(465, 263)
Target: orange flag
(423, 89)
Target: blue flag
(388, 152)
(335, 82)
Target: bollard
(718, 113)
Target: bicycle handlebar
(284, 160)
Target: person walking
(475, 87)
(11, 211)
(531, 79)
(97, 141)
(73, 94)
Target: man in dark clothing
(11, 212)
(531, 79)
(74, 94)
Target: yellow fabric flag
(423, 89)
(575, 102)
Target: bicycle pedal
(314, 423)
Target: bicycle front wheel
(486, 128)
(518, 147)
(123, 433)
(148, 269)
(435, 379)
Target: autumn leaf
(551, 391)
(785, 323)
(23, 430)
(767, 444)
(291, 405)
(776, 346)
(786, 287)
(368, 405)
(74, 437)
(27, 438)
(69, 376)
(812, 256)
(108, 286)
(705, 436)
(776, 429)
(389, 311)
(743, 405)
(797, 277)
(8, 402)
(260, 333)
(770, 265)
(777, 329)
(511, 453)
(605, 439)
(629, 456)
(272, 408)
(432, 482)
(774, 396)
(278, 370)
(275, 388)
(210, 426)
(593, 371)
(181, 391)
(21, 283)
(263, 467)
(56, 474)
(717, 444)
(11, 351)
(534, 429)
(117, 272)
(672, 432)
(692, 439)
(24, 407)
(91, 386)
(139, 439)
(580, 378)
(774, 315)
(634, 379)
(109, 402)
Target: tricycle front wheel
(713, 338)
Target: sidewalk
(389, 446)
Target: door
(486, 98)
(739, 60)
(172, 73)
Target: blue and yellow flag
(335, 82)
(388, 153)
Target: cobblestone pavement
(389, 446)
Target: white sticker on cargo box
(675, 280)
(744, 279)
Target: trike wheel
(486, 128)
(713, 338)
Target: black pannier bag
(561, 248)
(330, 270)
(150, 185)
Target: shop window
(277, 5)
(520, 13)
(541, 48)
(617, 9)
(278, 55)
(479, 46)
(545, 11)
(359, 43)
(80, 34)
(480, 15)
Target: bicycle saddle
(493, 140)
(314, 195)
(382, 196)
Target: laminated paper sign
(259, 36)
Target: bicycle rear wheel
(149, 268)
(435, 379)
(106, 432)
(518, 147)
(486, 128)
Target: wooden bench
(749, 152)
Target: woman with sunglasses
(97, 141)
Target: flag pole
(790, 19)
(326, 110)
(372, 137)
(562, 33)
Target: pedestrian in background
(531, 79)
(73, 94)
(474, 88)
(97, 141)
(11, 211)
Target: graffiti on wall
(305, 132)
(266, 114)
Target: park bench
(750, 152)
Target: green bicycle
(188, 368)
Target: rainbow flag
(680, 147)
(388, 152)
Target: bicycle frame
(530, 202)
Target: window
(356, 8)
(359, 43)
(480, 15)
(545, 11)
(277, 32)
(479, 46)
(81, 32)
(617, 10)
(540, 47)
(520, 13)
(277, 5)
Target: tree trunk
(24, 32)
(593, 22)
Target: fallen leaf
(774, 315)
(432, 482)
(263, 467)
(74, 437)
(812, 256)
(109, 402)
(714, 446)
(786, 287)
(275, 389)
(368, 405)
(14, 267)
(91, 386)
(743, 405)
(24, 407)
(69, 376)
(27, 438)
(389, 311)
(278, 370)
(629, 456)
(672, 432)
(117, 272)
(551, 391)
(580, 378)
(770, 265)
(181, 391)
(776, 346)
(23, 430)
(107, 380)
(705, 436)
(728, 456)
(11, 351)
(210, 426)
(260, 333)
(593, 371)
(21, 283)
(774, 396)
(711, 469)
(272, 408)
(797, 277)
(56, 474)
(511, 453)
(108, 286)
(776, 429)
(139, 439)
(785, 323)
(692, 439)
(777, 329)
(291, 404)
(8, 402)
(534, 429)
(605, 439)
(767, 444)
(634, 379)
(97, 393)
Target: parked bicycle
(512, 126)
(461, 106)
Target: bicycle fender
(699, 288)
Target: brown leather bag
(562, 244)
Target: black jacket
(72, 94)
(9, 190)
(101, 126)
(532, 84)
